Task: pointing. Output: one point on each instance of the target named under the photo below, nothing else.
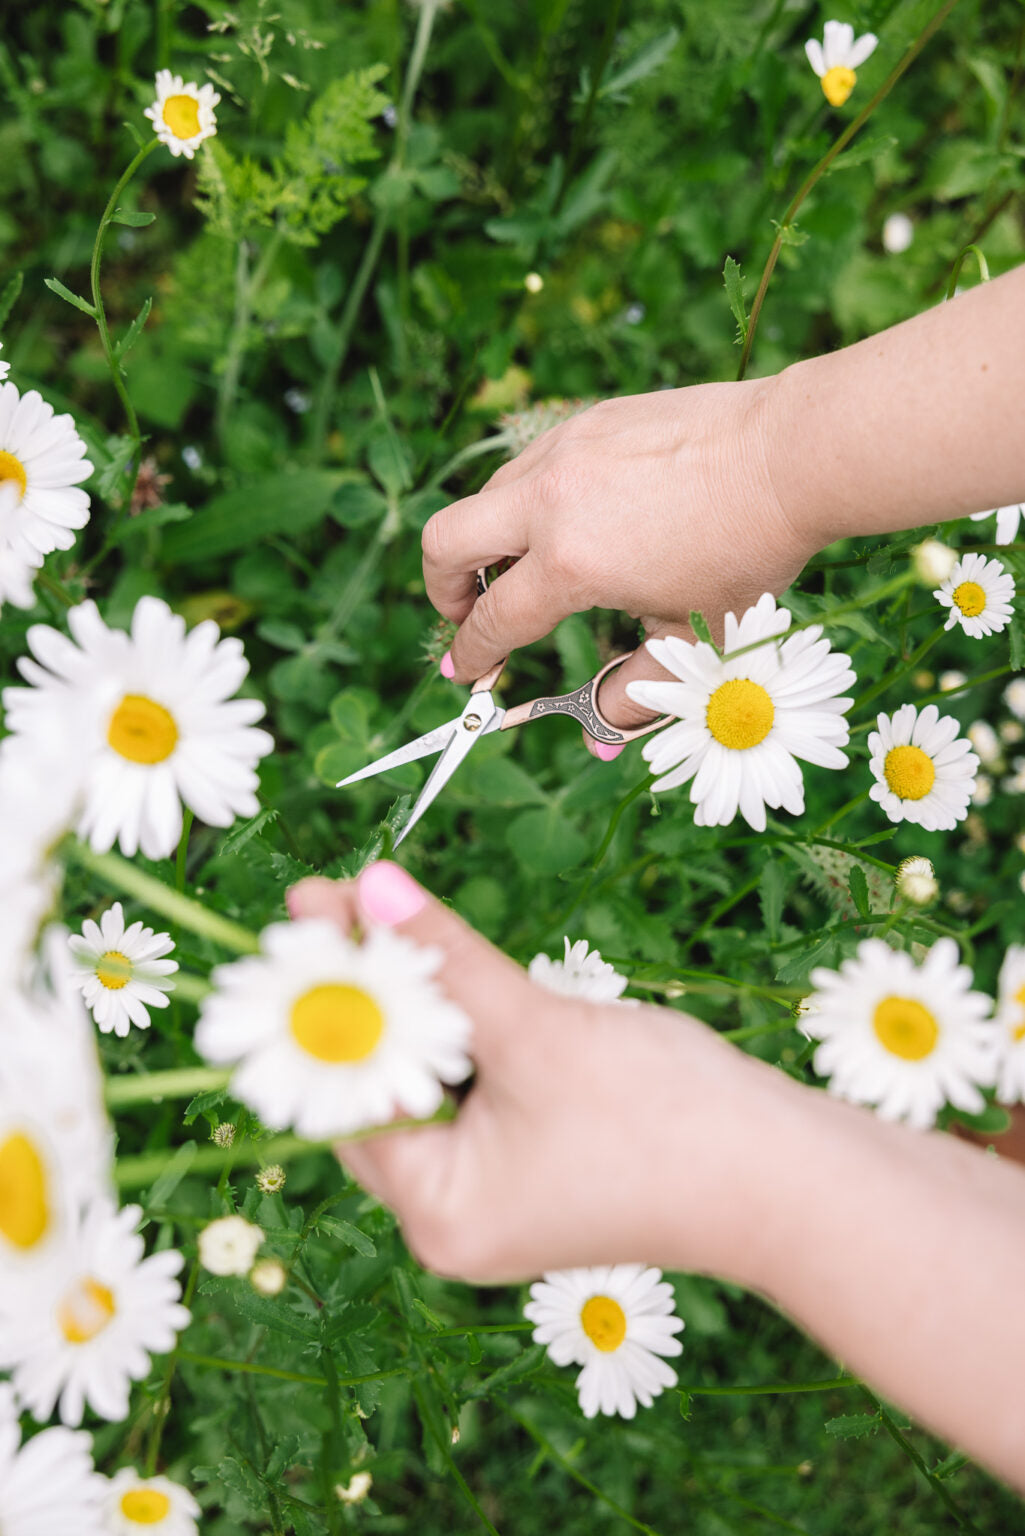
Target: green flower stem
(555, 1455)
(852, 805)
(819, 170)
(610, 832)
(966, 686)
(909, 666)
(774, 1389)
(162, 1402)
(192, 988)
(756, 1031)
(246, 288)
(721, 908)
(183, 851)
(969, 250)
(153, 1087)
(250, 1368)
(493, 444)
(935, 1484)
(97, 297)
(192, 915)
(56, 588)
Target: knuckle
(563, 481)
(448, 1247)
(432, 540)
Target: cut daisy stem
(123, 876)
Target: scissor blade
(483, 716)
(423, 746)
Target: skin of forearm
(916, 425)
(903, 1253)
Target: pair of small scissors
(481, 715)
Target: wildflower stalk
(247, 286)
(819, 170)
(154, 1087)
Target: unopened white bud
(228, 1246)
(533, 282)
(271, 1178)
(1011, 732)
(356, 1489)
(933, 562)
(949, 681)
(223, 1135)
(1014, 697)
(982, 794)
(985, 742)
(917, 882)
(268, 1277)
(898, 233)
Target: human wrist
(801, 472)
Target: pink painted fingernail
(445, 666)
(388, 895)
(607, 751)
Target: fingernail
(388, 895)
(607, 750)
(445, 666)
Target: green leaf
(170, 1176)
(525, 1364)
(286, 503)
(391, 464)
(852, 1426)
(9, 297)
(1016, 637)
(859, 890)
(686, 1411)
(771, 893)
(951, 1463)
(133, 332)
(56, 286)
(868, 149)
(110, 476)
(733, 279)
(133, 220)
(498, 781)
(796, 970)
(699, 625)
(348, 1234)
(577, 649)
(276, 1315)
(241, 1480)
(432, 1319)
(991, 1121)
(545, 843)
(357, 503)
(240, 835)
(143, 522)
(209, 1099)
(790, 234)
(645, 62)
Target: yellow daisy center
(905, 1028)
(604, 1322)
(740, 714)
(970, 598)
(13, 469)
(85, 1311)
(142, 730)
(910, 772)
(114, 970)
(837, 84)
(181, 114)
(336, 1023)
(1016, 1034)
(24, 1207)
(146, 1506)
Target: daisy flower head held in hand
(183, 115)
(48, 1486)
(616, 1322)
(134, 1504)
(580, 973)
(837, 57)
(330, 1036)
(744, 720)
(924, 772)
(905, 1038)
(152, 717)
(121, 970)
(979, 594)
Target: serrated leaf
(852, 1426)
(239, 836)
(771, 892)
(239, 1479)
(790, 234)
(134, 331)
(110, 476)
(56, 286)
(9, 297)
(733, 279)
(209, 1099)
(868, 149)
(796, 970)
(432, 1319)
(276, 1315)
(645, 62)
(525, 1364)
(859, 890)
(132, 219)
(333, 1226)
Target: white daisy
(1010, 1018)
(1014, 697)
(979, 594)
(87, 1334)
(120, 970)
(229, 1245)
(332, 1036)
(5, 368)
(836, 58)
(580, 973)
(40, 800)
(905, 1038)
(48, 1486)
(1007, 521)
(43, 458)
(182, 115)
(924, 771)
(17, 565)
(933, 561)
(152, 718)
(743, 720)
(135, 1503)
(615, 1321)
(985, 743)
(916, 881)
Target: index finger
(468, 536)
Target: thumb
(520, 606)
(615, 702)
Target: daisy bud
(268, 1277)
(1019, 842)
(223, 1135)
(533, 282)
(356, 1489)
(456, 1436)
(985, 742)
(1014, 697)
(933, 562)
(1010, 732)
(228, 1246)
(271, 1178)
(916, 881)
(924, 680)
(951, 681)
(898, 233)
(982, 794)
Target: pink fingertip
(388, 895)
(445, 666)
(607, 750)
(293, 901)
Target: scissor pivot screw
(472, 723)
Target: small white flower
(88, 1333)
(836, 58)
(152, 719)
(268, 1277)
(48, 1486)
(356, 1489)
(271, 1179)
(916, 881)
(985, 742)
(933, 561)
(615, 1321)
(183, 115)
(744, 720)
(229, 1245)
(42, 464)
(898, 233)
(533, 282)
(580, 973)
(1007, 521)
(1015, 785)
(1010, 1018)
(982, 794)
(223, 1135)
(904, 1038)
(135, 1504)
(979, 594)
(120, 970)
(1014, 697)
(924, 772)
(332, 1036)
(1010, 732)
(951, 681)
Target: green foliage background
(338, 317)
